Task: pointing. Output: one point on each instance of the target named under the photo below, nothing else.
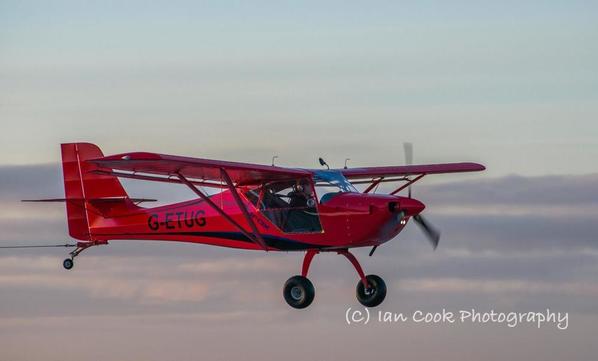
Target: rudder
(81, 186)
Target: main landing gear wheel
(68, 263)
(299, 292)
(374, 294)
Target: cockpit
(291, 205)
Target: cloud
(30, 181)
(536, 255)
(233, 265)
(468, 286)
(515, 191)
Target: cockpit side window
(290, 205)
(253, 195)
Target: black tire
(375, 294)
(299, 292)
(68, 263)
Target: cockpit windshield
(330, 183)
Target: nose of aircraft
(410, 206)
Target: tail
(83, 189)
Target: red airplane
(258, 207)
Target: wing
(194, 168)
(407, 170)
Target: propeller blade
(431, 232)
(408, 147)
(408, 153)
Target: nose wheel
(299, 292)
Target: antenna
(323, 163)
(346, 160)
(273, 158)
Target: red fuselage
(347, 220)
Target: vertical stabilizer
(81, 186)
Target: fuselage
(346, 220)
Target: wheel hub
(296, 293)
(369, 291)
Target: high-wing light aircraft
(259, 207)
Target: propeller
(431, 233)
(408, 160)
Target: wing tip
(478, 167)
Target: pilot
(298, 196)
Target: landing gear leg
(371, 289)
(68, 263)
(298, 290)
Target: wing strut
(233, 190)
(407, 184)
(256, 237)
(373, 185)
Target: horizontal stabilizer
(93, 200)
(45, 200)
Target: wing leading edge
(196, 168)
(407, 170)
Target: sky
(508, 84)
